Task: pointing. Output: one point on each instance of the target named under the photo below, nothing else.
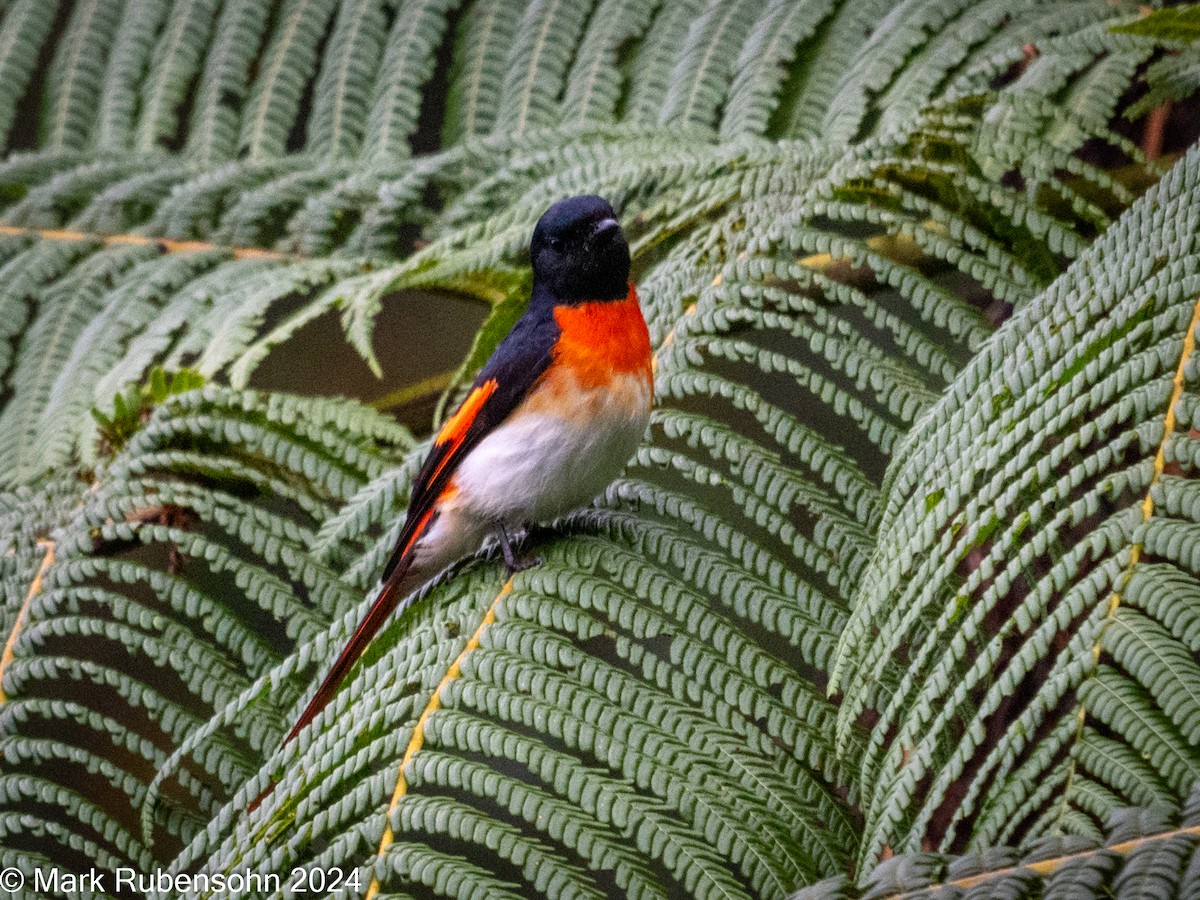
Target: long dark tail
(390, 594)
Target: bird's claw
(511, 562)
(520, 565)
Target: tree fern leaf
(486, 33)
(809, 92)
(112, 846)
(595, 84)
(1078, 596)
(175, 63)
(563, 824)
(692, 861)
(342, 96)
(408, 61)
(243, 366)
(1165, 24)
(224, 83)
(1144, 649)
(955, 42)
(129, 60)
(287, 68)
(234, 319)
(153, 617)
(765, 870)
(449, 876)
(76, 74)
(383, 496)
(154, 343)
(127, 309)
(23, 276)
(1120, 704)
(26, 448)
(1007, 608)
(53, 203)
(1167, 595)
(124, 204)
(537, 64)
(704, 68)
(763, 63)
(656, 58)
(23, 30)
(194, 208)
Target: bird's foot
(511, 562)
(520, 565)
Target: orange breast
(602, 340)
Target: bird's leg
(510, 560)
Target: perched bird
(552, 418)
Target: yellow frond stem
(417, 741)
(35, 588)
(166, 245)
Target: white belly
(555, 452)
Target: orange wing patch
(454, 432)
(456, 426)
(600, 340)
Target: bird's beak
(605, 228)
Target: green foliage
(131, 408)
(1027, 683)
(1148, 853)
(176, 579)
(1175, 24)
(853, 477)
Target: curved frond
(226, 81)
(905, 562)
(76, 74)
(23, 30)
(174, 64)
(704, 68)
(216, 497)
(286, 68)
(537, 62)
(408, 60)
(342, 97)
(1148, 854)
(1034, 678)
(485, 36)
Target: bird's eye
(556, 244)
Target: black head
(579, 253)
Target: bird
(551, 419)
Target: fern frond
(224, 83)
(764, 61)
(1180, 24)
(176, 60)
(594, 85)
(31, 446)
(985, 533)
(1146, 854)
(537, 63)
(809, 92)
(129, 60)
(342, 96)
(76, 74)
(285, 70)
(1067, 440)
(27, 271)
(240, 513)
(655, 58)
(408, 61)
(485, 35)
(701, 76)
(24, 29)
